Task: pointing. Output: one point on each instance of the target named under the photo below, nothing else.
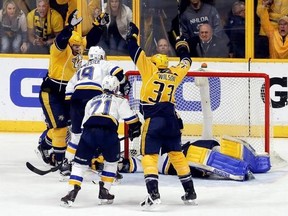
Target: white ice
(25, 193)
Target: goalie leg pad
(217, 163)
(227, 164)
(236, 148)
(257, 163)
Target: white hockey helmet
(111, 83)
(96, 52)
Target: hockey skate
(151, 201)
(104, 196)
(69, 199)
(189, 198)
(44, 155)
(65, 169)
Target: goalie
(207, 159)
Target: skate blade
(66, 204)
(153, 206)
(105, 202)
(190, 202)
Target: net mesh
(215, 104)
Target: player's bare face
(76, 49)
(11, 9)
(42, 9)
(195, 3)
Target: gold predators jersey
(160, 86)
(63, 64)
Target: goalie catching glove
(133, 32)
(73, 20)
(101, 19)
(134, 130)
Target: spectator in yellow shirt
(278, 42)
(44, 24)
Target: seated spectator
(196, 14)
(13, 29)
(278, 39)
(276, 10)
(210, 45)
(44, 24)
(87, 19)
(117, 28)
(235, 29)
(163, 46)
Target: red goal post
(214, 104)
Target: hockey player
(100, 125)
(161, 129)
(83, 86)
(65, 59)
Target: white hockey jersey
(90, 76)
(106, 110)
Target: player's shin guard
(258, 163)
(72, 146)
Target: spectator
(44, 24)
(235, 29)
(163, 47)
(13, 28)
(276, 10)
(210, 45)
(87, 19)
(196, 14)
(120, 17)
(278, 40)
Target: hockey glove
(133, 31)
(125, 88)
(101, 19)
(134, 130)
(181, 44)
(73, 20)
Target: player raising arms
(65, 59)
(100, 125)
(161, 129)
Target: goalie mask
(96, 52)
(110, 83)
(160, 60)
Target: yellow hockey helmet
(160, 60)
(76, 39)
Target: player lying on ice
(234, 159)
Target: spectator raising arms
(44, 24)
(278, 42)
(13, 28)
(87, 19)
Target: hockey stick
(42, 172)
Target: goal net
(216, 104)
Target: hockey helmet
(76, 39)
(96, 52)
(110, 83)
(160, 60)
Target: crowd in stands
(212, 28)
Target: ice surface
(25, 193)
